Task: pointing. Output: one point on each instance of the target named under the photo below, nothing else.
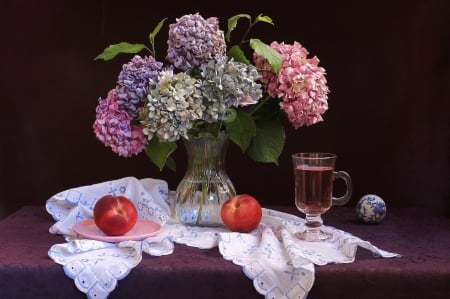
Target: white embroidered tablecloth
(280, 265)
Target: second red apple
(241, 213)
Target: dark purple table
(423, 271)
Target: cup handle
(340, 201)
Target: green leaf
(268, 143)
(238, 55)
(232, 117)
(170, 163)
(123, 47)
(232, 23)
(155, 31)
(264, 50)
(241, 130)
(159, 153)
(265, 19)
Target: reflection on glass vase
(205, 185)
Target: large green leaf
(241, 130)
(238, 55)
(159, 153)
(265, 51)
(268, 143)
(123, 47)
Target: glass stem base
(313, 231)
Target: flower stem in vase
(205, 188)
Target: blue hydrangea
(225, 84)
(133, 83)
(194, 41)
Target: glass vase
(205, 185)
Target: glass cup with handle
(314, 176)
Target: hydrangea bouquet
(206, 85)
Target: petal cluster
(172, 106)
(300, 83)
(114, 128)
(133, 82)
(226, 84)
(194, 41)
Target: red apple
(115, 215)
(241, 213)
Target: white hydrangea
(172, 106)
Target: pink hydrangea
(300, 84)
(113, 127)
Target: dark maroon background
(388, 71)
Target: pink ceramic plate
(143, 229)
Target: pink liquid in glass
(313, 189)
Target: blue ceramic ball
(371, 209)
